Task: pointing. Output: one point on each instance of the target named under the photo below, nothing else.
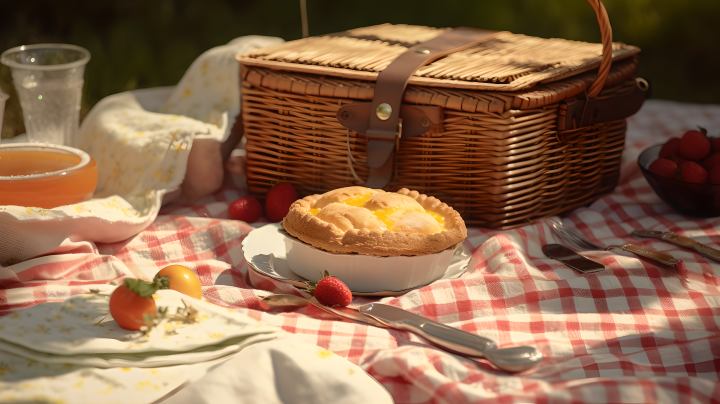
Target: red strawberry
(691, 171)
(714, 177)
(715, 141)
(664, 167)
(247, 209)
(679, 160)
(694, 145)
(278, 201)
(710, 161)
(670, 148)
(330, 291)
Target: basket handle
(606, 61)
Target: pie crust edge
(300, 223)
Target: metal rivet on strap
(383, 111)
(423, 51)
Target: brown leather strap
(416, 119)
(378, 178)
(580, 112)
(390, 87)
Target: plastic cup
(49, 80)
(3, 98)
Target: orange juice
(45, 176)
(28, 162)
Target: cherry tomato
(182, 280)
(127, 307)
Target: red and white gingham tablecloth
(639, 332)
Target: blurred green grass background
(140, 44)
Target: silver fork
(578, 242)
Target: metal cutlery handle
(512, 359)
(658, 256)
(702, 249)
(649, 233)
(687, 242)
(707, 252)
(451, 338)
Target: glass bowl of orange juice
(44, 175)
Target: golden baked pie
(374, 222)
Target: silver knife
(702, 249)
(571, 259)
(514, 359)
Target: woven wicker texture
(508, 62)
(499, 169)
(499, 161)
(468, 101)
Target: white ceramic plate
(270, 241)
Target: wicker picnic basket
(505, 128)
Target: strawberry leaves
(311, 286)
(140, 287)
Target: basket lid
(507, 62)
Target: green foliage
(139, 44)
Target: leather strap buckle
(380, 146)
(379, 119)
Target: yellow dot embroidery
(323, 353)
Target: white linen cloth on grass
(141, 141)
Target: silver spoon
(514, 359)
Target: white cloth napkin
(284, 371)
(81, 331)
(25, 380)
(141, 141)
(73, 351)
(287, 369)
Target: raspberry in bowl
(685, 174)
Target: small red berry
(691, 171)
(715, 141)
(330, 291)
(278, 201)
(670, 148)
(714, 177)
(664, 167)
(679, 160)
(711, 161)
(247, 209)
(694, 145)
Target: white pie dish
(363, 274)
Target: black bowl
(697, 200)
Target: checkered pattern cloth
(638, 332)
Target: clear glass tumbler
(49, 80)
